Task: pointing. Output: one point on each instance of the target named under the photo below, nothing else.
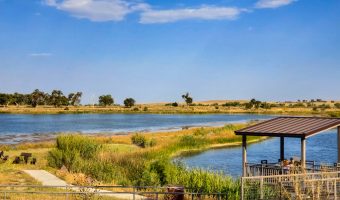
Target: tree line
(56, 98)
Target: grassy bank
(323, 109)
(149, 162)
(145, 160)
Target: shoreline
(161, 109)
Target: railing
(322, 185)
(30, 192)
(270, 169)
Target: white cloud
(40, 54)
(273, 3)
(204, 13)
(98, 10)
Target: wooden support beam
(282, 148)
(244, 155)
(338, 144)
(303, 152)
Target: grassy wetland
(135, 159)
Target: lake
(321, 147)
(16, 128)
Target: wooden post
(303, 152)
(282, 148)
(244, 155)
(338, 144)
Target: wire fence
(28, 192)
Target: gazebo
(296, 127)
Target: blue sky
(154, 51)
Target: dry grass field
(326, 108)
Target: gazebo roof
(300, 127)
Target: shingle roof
(290, 127)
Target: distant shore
(163, 109)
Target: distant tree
(129, 102)
(253, 103)
(106, 100)
(175, 104)
(187, 98)
(3, 99)
(37, 97)
(74, 98)
(57, 98)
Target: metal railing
(270, 169)
(321, 185)
(28, 192)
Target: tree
(37, 97)
(58, 98)
(187, 98)
(129, 102)
(253, 103)
(106, 100)
(74, 98)
(3, 99)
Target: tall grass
(149, 166)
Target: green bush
(55, 158)
(139, 140)
(71, 151)
(86, 147)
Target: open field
(325, 108)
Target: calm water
(322, 147)
(17, 128)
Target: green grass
(128, 164)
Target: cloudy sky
(154, 50)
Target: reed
(150, 165)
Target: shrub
(86, 147)
(71, 151)
(145, 109)
(175, 104)
(139, 140)
(337, 105)
(55, 158)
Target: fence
(321, 185)
(270, 169)
(30, 192)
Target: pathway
(48, 179)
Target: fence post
(5, 196)
(261, 188)
(156, 195)
(66, 192)
(242, 189)
(335, 190)
(134, 193)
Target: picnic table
(26, 156)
